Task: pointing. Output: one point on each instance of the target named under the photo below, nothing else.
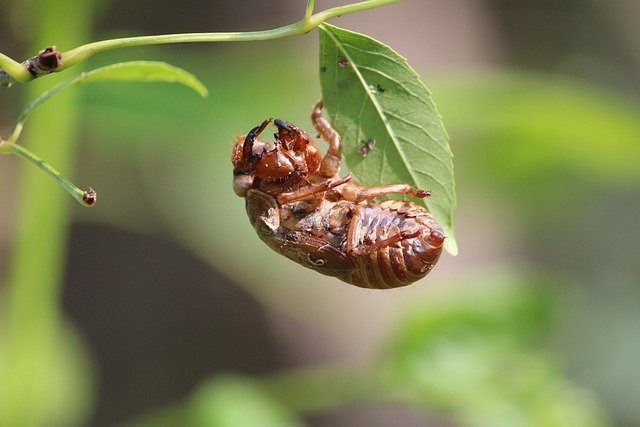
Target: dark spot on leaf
(343, 62)
(380, 88)
(366, 147)
(323, 69)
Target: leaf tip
(451, 246)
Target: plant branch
(309, 11)
(84, 197)
(13, 71)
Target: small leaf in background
(140, 71)
(372, 94)
(147, 71)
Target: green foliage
(144, 71)
(36, 361)
(66, 381)
(535, 129)
(370, 92)
(140, 71)
(234, 401)
(478, 359)
(474, 358)
(135, 71)
(478, 355)
(11, 71)
(430, 364)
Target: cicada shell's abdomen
(392, 244)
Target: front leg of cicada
(330, 165)
(392, 240)
(247, 147)
(243, 160)
(291, 136)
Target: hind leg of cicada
(247, 147)
(310, 191)
(357, 194)
(330, 165)
(392, 240)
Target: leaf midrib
(375, 103)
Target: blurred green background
(160, 306)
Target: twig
(51, 61)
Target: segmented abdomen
(392, 244)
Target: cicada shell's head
(243, 177)
(276, 166)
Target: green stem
(308, 23)
(31, 319)
(14, 69)
(85, 198)
(79, 54)
(309, 11)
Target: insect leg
(247, 147)
(356, 236)
(310, 191)
(291, 136)
(392, 240)
(357, 194)
(330, 165)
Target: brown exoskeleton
(302, 209)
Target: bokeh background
(164, 301)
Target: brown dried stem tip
(90, 197)
(43, 63)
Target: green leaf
(147, 71)
(370, 92)
(140, 71)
